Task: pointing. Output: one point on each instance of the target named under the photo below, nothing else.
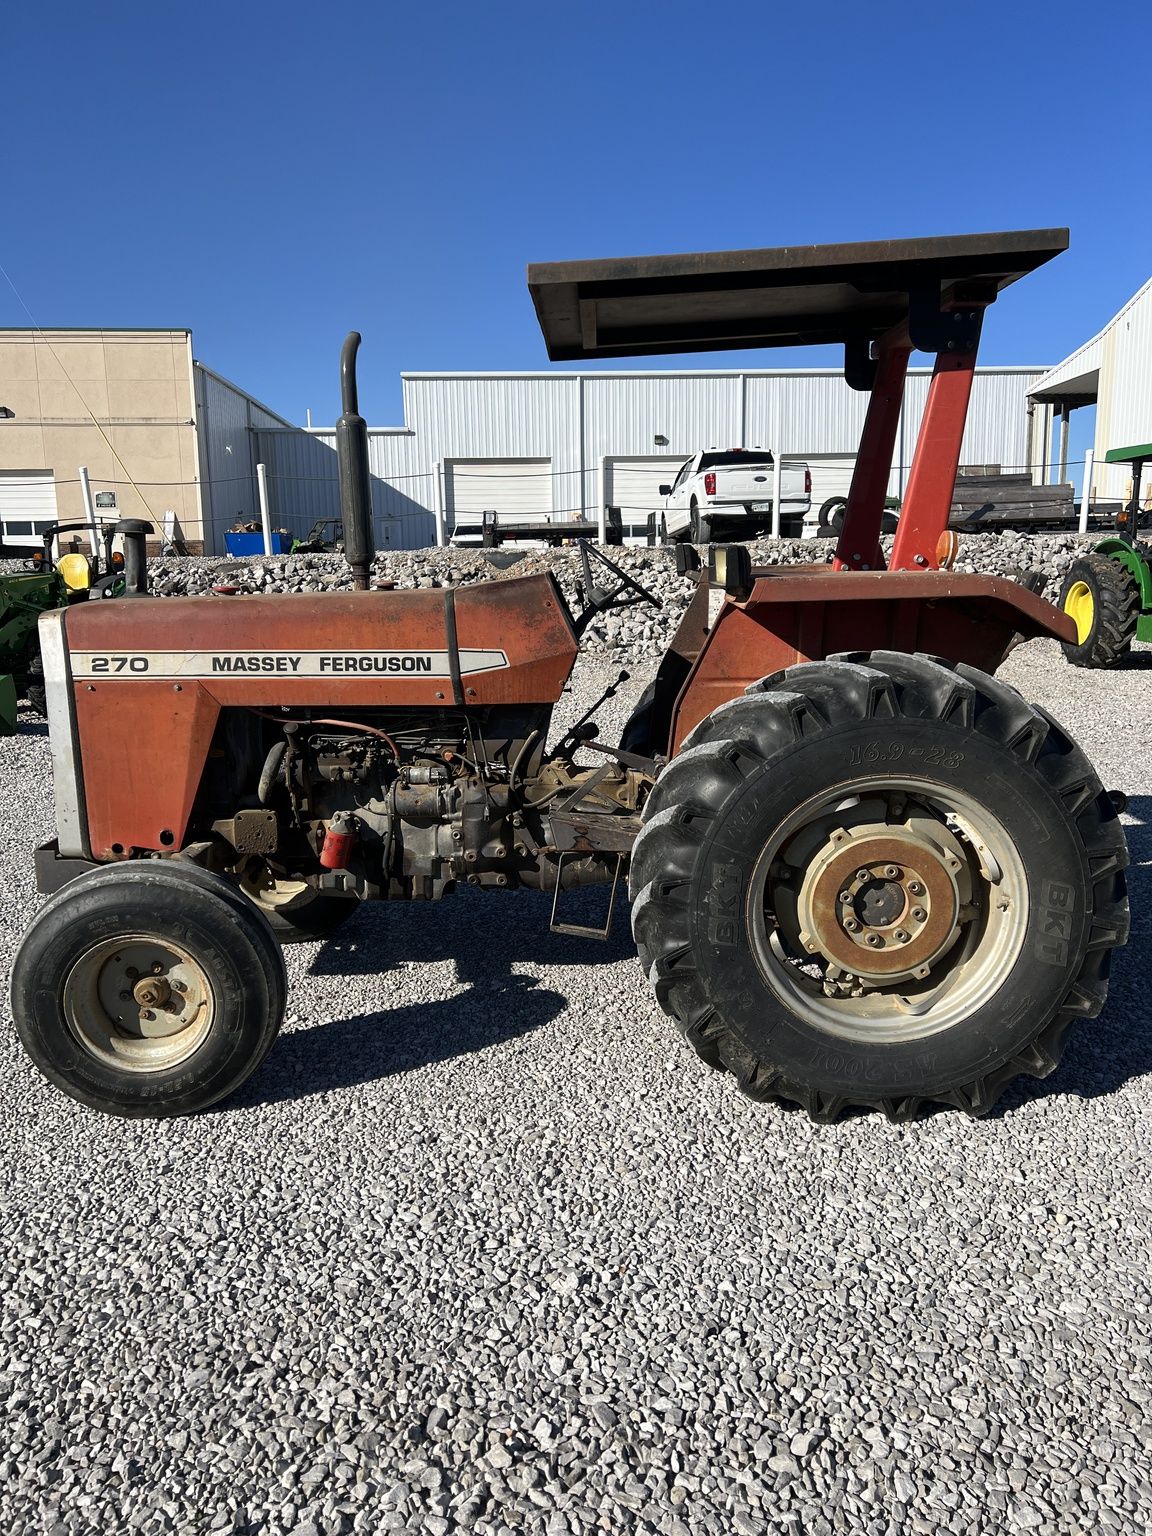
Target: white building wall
(1124, 409)
(1121, 354)
(576, 420)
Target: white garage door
(831, 475)
(518, 490)
(633, 485)
(27, 504)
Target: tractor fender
(806, 613)
(1136, 560)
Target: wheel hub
(883, 902)
(1080, 607)
(138, 1003)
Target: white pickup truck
(728, 493)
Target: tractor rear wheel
(1103, 599)
(879, 881)
(148, 989)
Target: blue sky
(273, 175)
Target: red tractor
(863, 872)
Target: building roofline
(1086, 346)
(94, 330)
(692, 373)
(240, 390)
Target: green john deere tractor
(46, 583)
(1108, 593)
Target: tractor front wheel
(879, 881)
(148, 989)
(1103, 600)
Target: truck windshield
(740, 457)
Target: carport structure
(1113, 372)
(880, 300)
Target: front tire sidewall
(765, 1028)
(245, 1015)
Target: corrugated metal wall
(575, 420)
(1124, 408)
(1121, 354)
(227, 420)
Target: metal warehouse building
(161, 433)
(1113, 372)
(536, 445)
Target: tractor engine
(404, 806)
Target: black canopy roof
(713, 301)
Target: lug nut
(919, 914)
(845, 896)
(852, 925)
(875, 940)
(157, 969)
(891, 872)
(915, 888)
(902, 935)
(863, 874)
(181, 986)
(146, 1013)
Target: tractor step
(585, 930)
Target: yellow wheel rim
(1080, 608)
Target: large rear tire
(148, 989)
(1103, 599)
(879, 881)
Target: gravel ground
(483, 1247)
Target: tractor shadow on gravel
(1103, 1054)
(485, 935)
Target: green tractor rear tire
(1103, 599)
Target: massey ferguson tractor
(863, 872)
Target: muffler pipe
(134, 533)
(355, 480)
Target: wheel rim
(138, 1003)
(887, 910)
(1080, 606)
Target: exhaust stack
(134, 533)
(355, 482)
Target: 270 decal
(118, 664)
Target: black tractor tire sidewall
(1060, 909)
(34, 690)
(218, 933)
(830, 519)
